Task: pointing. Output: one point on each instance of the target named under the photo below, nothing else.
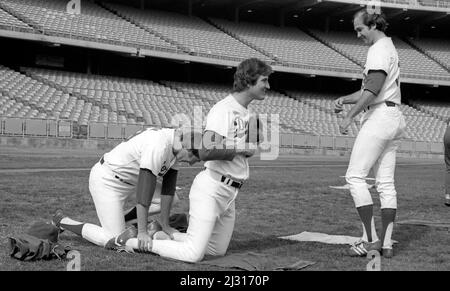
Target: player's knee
(385, 186)
(217, 251)
(195, 256)
(354, 179)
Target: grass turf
(283, 197)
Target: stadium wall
(49, 143)
(56, 143)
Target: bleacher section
(439, 109)
(7, 21)
(275, 103)
(290, 45)
(421, 125)
(218, 38)
(84, 99)
(130, 101)
(94, 23)
(437, 49)
(194, 35)
(413, 64)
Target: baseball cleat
(56, 219)
(387, 252)
(118, 243)
(361, 248)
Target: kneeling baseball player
(132, 168)
(214, 190)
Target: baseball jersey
(148, 149)
(382, 55)
(229, 119)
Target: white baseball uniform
(212, 206)
(382, 126)
(114, 178)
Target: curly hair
(248, 72)
(370, 19)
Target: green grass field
(282, 197)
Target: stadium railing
(51, 128)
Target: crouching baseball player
(382, 125)
(214, 190)
(132, 168)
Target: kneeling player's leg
(203, 212)
(384, 174)
(223, 230)
(109, 201)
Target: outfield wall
(300, 145)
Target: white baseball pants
(375, 147)
(109, 195)
(211, 222)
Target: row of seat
(94, 23)
(67, 95)
(219, 38)
(412, 62)
(196, 36)
(289, 45)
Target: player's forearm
(217, 154)
(351, 98)
(144, 195)
(363, 101)
(142, 217)
(166, 206)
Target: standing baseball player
(132, 168)
(447, 163)
(382, 125)
(214, 190)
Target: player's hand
(169, 231)
(247, 152)
(344, 124)
(338, 105)
(144, 242)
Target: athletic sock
(366, 215)
(72, 225)
(131, 214)
(387, 219)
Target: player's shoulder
(157, 137)
(223, 105)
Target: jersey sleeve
(377, 59)
(218, 121)
(152, 158)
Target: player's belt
(102, 161)
(224, 179)
(388, 104)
